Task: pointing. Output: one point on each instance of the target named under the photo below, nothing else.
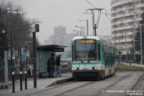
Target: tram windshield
(85, 50)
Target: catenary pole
(34, 59)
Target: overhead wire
(106, 13)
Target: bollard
(21, 80)
(13, 82)
(130, 63)
(25, 79)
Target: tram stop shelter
(43, 54)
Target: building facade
(126, 15)
(60, 37)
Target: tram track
(75, 88)
(49, 88)
(107, 88)
(61, 94)
(83, 85)
(74, 85)
(134, 90)
(52, 87)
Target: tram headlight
(76, 68)
(94, 68)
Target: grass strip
(122, 67)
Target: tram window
(73, 55)
(98, 57)
(108, 58)
(111, 59)
(107, 61)
(84, 50)
(105, 57)
(98, 51)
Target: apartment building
(126, 15)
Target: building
(107, 38)
(61, 37)
(126, 15)
(58, 37)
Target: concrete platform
(41, 83)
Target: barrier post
(21, 80)
(25, 79)
(13, 82)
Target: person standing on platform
(51, 65)
(58, 66)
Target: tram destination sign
(86, 41)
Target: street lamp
(86, 25)
(141, 43)
(3, 32)
(5, 59)
(12, 13)
(82, 29)
(78, 32)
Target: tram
(92, 57)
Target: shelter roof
(54, 48)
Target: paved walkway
(41, 83)
(133, 64)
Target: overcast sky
(53, 13)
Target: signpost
(34, 54)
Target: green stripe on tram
(85, 63)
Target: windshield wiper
(88, 61)
(81, 60)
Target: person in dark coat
(51, 65)
(58, 66)
(29, 73)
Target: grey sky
(53, 13)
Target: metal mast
(95, 26)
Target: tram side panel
(108, 55)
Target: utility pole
(11, 43)
(81, 28)
(6, 69)
(135, 25)
(78, 32)
(95, 26)
(87, 27)
(4, 37)
(34, 59)
(141, 44)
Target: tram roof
(86, 37)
